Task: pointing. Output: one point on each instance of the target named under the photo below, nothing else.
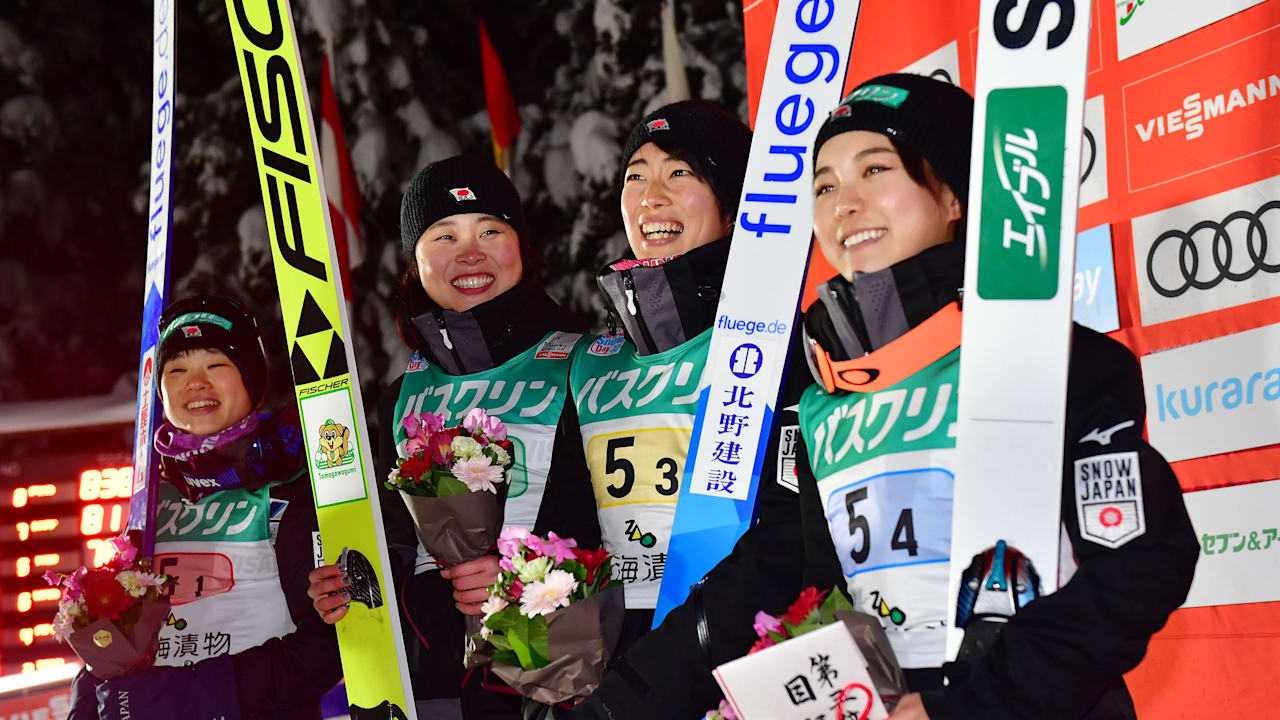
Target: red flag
(345, 202)
(503, 118)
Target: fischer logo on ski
(311, 301)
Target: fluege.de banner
(763, 279)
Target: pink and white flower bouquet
(453, 480)
(111, 615)
(815, 609)
(554, 616)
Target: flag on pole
(345, 202)
(503, 118)
(672, 59)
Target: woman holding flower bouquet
(636, 395)
(235, 526)
(891, 184)
(484, 391)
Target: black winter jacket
(283, 678)
(1062, 656)
(484, 337)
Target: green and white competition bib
(636, 414)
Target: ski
(318, 333)
(804, 78)
(1020, 259)
(146, 462)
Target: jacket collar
(663, 304)
(492, 332)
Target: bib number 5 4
(903, 537)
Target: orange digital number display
(106, 483)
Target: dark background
(75, 85)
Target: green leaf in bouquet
(506, 657)
(519, 637)
(499, 640)
(505, 619)
(448, 485)
(538, 644)
(835, 601)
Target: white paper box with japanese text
(801, 678)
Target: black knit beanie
(216, 323)
(455, 186)
(713, 141)
(932, 117)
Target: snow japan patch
(658, 124)
(1109, 498)
(462, 193)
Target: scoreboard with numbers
(57, 512)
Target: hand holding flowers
(111, 615)
(554, 615)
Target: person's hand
(910, 707)
(328, 592)
(471, 581)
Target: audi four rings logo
(1224, 249)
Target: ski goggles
(920, 347)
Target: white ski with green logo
(1027, 134)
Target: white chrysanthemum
(62, 623)
(535, 569)
(494, 604)
(485, 632)
(129, 580)
(477, 474)
(500, 457)
(465, 448)
(547, 595)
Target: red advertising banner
(1182, 167)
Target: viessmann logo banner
(1214, 397)
(1209, 111)
(1144, 24)
(1214, 253)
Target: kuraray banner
(804, 78)
(1217, 396)
(1027, 133)
(156, 285)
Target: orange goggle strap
(920, 347)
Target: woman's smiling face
(868, 212)
(464, 260)
(666, 208)
(203, 392)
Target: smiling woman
(484, 335)
(234, 523)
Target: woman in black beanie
(636, 388)
(484, 334)
(891, 183)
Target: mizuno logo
(1103, 437)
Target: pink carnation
(766, 623)
(124, 549)
(474, 419)
(493, 428)
(510, 540)
(558, 548)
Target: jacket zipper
(448, 342)
(629, 287)
(859, 324)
